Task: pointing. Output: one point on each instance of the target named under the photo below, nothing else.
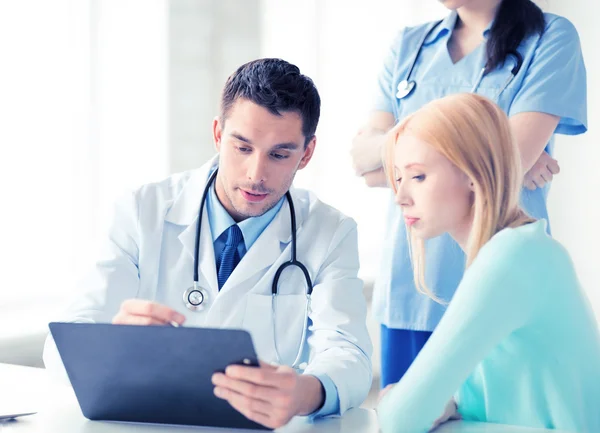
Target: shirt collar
(446, 27)
(486, 31)
(251, 228)
(442, 28)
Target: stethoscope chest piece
(195, 298)
(405, 88)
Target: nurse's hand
(376, 178)
(542, 172)
(366, 150)
(269, 395)
(142, 312)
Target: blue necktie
(230, 256)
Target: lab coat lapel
(184, 211)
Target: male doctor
(264, 134)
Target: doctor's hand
(142, 312)
(542, 172)
(269, 395)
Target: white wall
(127, 143)
(575, 196)
(83, 88)
(208, 40)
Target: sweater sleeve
(490, 303)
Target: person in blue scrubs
(530, 63)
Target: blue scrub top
(551, 80)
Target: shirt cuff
(331, 406)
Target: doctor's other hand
(269, 395)
(366, 152)
(542, 172)
(142, 312)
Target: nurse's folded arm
(375, 178)
(142, 312)
(367, 144)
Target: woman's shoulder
(516, 261)
(524, 246)
(560, 24)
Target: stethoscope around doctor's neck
(196, 298)
(408, 85)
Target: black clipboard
(153, 374)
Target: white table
(29, 389)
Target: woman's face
(435, 196)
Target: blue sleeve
(331, 406)
(489, 304)
(385, 95)
(555, 81)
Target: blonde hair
(474, 134)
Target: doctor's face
(435, 196)
(259, 154)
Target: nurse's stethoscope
(406, 87)
(196, 297)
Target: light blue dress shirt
(518, 345)
(552, 80)
(220, 220)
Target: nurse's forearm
(369, 141)
(376, 178)
(366, 151)
(532, 132)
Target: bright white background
(83, 106)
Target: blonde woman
(518, 343)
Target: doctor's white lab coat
(150, 255)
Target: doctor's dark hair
(277, 86)
(515, 21)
